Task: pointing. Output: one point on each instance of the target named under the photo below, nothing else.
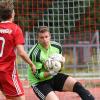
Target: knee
(69, 84)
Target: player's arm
(41, 71)
(25, 57)
(41, 74)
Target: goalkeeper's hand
(48, 64)
(52, 73)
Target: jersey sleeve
(60, 48)
(18, 36)
(57, 45)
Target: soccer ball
(58, 57)
(53, 65)
(56, 66)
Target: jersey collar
(6, 22)
(41, 47)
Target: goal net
(73, 23)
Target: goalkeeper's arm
(43, 74)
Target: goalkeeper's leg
(72, 85)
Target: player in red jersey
(11, 38)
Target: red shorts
(10, 84)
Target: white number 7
(2, 45)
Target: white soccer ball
(53, 65)
(56, 66)
(58, 57)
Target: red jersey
(10, 36)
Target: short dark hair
(42, 29)
(6, 9)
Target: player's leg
(12, 87)
(15, 98)
(44, 91)
(69, 84)
(52, 96)
(72, 85)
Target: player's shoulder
(9, 24)
(14, 25)
(34, 48)
(54, 43)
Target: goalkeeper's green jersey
(39, 55)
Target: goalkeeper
(45, 82)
